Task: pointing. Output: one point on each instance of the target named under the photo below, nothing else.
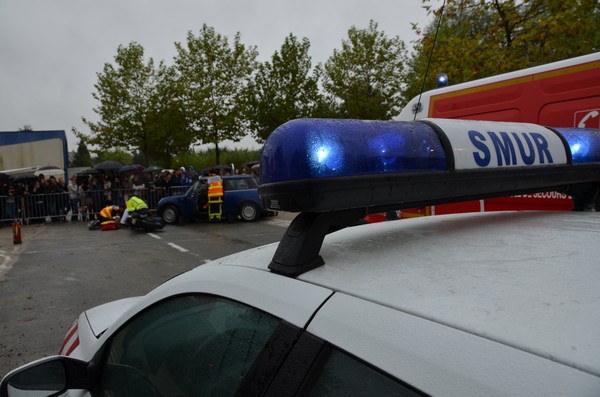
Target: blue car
(240, 200)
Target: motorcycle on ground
(136, 220)
(145, 221)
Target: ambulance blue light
(322, 148)
(584, 144)
(441, 80)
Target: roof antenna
(418, 106)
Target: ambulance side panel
(560, 94)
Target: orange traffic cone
(16, 229)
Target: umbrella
(108, 165)
(133, 168)
(89, 171)
(153, 168)
(250, 164)
(222, 167)
(55, 171)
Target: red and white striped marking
(71, 341)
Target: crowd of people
(44, 198)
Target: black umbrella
(153, 168)
(88, 171)
(133, 168)
(250, 164)
(109, 165)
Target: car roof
(529, 280)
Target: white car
(480, 304)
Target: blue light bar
(334, 172)
(322, 148)
(583, 143)
(318, 165)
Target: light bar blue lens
(322, 148)
(584, 144)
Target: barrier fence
(53, 207)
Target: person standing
(215, 197)
(73, 190)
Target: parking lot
(61, 269)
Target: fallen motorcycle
(145, 221)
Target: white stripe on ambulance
(484, 144)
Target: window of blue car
(239, 183)
(188, 345)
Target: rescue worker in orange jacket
(109, 213)
(215, 197)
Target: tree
(213, 76)
(284, 89)
(167, 122)
(139, 108)
(478, 39)
(82, 157)
(366, 76)
(26, 127)
(114, 154)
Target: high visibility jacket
(135, 204)
(215, 187)
(107, 212)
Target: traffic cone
(16, 229)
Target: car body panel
(103, 316)
(254, 287)
(528, 279)
(439, 359)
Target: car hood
(103, 316)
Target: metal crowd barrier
(55, 207)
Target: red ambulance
(559, 94)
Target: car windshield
(196, 187)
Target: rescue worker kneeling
(111, 212)
(133, 205)
(108, 218)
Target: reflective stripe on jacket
(215, 186)
(107, 212)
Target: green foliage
(138, 107)
(484, 38)
(114, 154)
(217, 91)
(82, 157)
(367, 75)
(214, 76)
(206, 159)
(284, 89)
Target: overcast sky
(51, 50)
